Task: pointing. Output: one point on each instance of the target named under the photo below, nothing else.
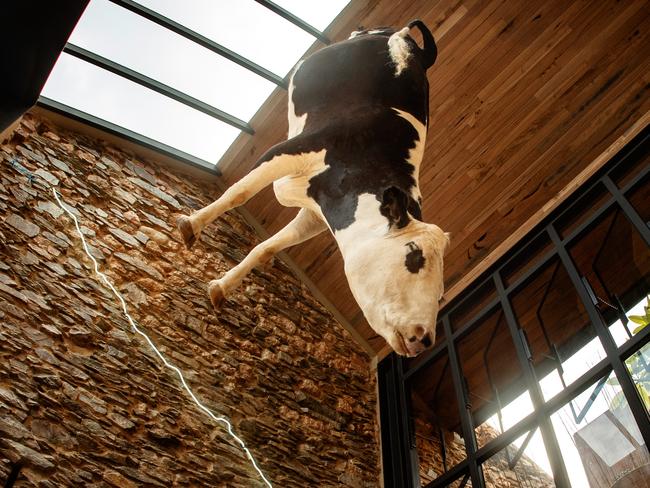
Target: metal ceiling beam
(193, 36)
(127, 134)
(297, 21)
(156, 86)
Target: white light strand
(103, 277)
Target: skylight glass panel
(243, 26)
(317, 13)
(132, 41)
(122, 36)
(95, 91)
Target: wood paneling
(524, 97)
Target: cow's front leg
(286, 158)
(304, 226)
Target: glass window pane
(316, 13)
(562, 340)
(638, 364)
(160, 54)
(631, 166)
(522, 463)
(472, 305)
(497, 392)
(526, 259)
(436, 418)
(639, 197)
(625, 327)
(243, 26)
(599, 439)
(613, 258)
(581, 210)
(415, 362)
(127, 104)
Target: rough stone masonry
(83, 402)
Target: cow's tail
(429, 51)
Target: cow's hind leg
(286, 158)
(304, 226)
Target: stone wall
(83, 402)
(496, 471)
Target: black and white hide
(358, 114)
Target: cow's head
(396, 274)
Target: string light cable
(103, 278)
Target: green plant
(641, 320)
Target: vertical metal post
(399, 455)
(408, 425)
(464, 409)
(526, 362)
(625, 380)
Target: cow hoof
(216, 294)
(185, 227)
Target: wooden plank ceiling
(524, 96)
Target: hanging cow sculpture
(358, 114)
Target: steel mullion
(548, 435)
(531, 421)
(297, 21)
(399, 433)
(627, 384)
(388, 396)
(562, 399)
(466, 421)
(630, 212)
(156, 86)
(408, 443)
(193, 36)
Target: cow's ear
(394, 206)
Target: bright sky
(563, 421)
(243, 26)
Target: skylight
(216, 90)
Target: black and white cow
(358, 113)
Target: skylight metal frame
(297, 21)
(152, 84)
(199, 39)
(166, 90)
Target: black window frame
(399, 453)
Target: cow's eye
(414, 258)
